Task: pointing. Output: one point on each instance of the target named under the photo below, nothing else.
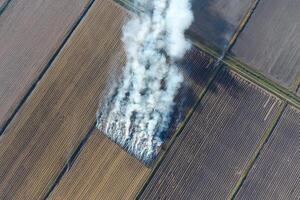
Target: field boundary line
(254, 76)
(242, 24)
(179, 129)
(47, 66)
(4, 6)
(262, 81)
(263, 140)
(70, 161)
(246, 71)
(128, 5)
(296, 84)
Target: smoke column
(138, 111)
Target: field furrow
(216, 146)
(31, 33)
(269, 42)
(275, 174)
(216, 21)
(62, 107)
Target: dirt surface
(30, 34)
(62, 108)
(207, 160)
(270, 41)
(102, 171)
(275, 174)
(212, 152)
(216, 20)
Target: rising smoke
(138, 111)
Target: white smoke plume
(138, 111)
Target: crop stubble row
(56, 117)
(275, 174)
(211, 154)
(31, 32)
(61, 109)
(270, 41)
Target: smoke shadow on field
(197, 68)
(225, 81)
(209, 25)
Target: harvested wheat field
(61, 109)
(102, 171)
(110, 157)
(233, 131)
